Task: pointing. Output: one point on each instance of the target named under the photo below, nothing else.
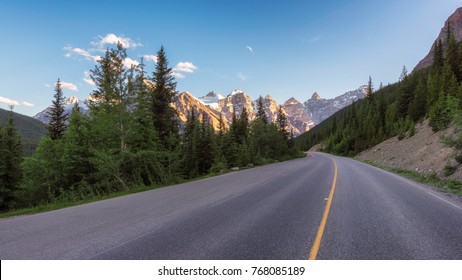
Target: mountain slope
(455, 23)
(423, 152)
(186, 102)
(30, 129)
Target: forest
(130, 138)
(433, 93)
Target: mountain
(271, 108)
(320, 109)
(211, 99)
(186, 102)
(300, 117)
(455, 23)
(30, 129)
(236, 100)
(297, 116)
(44, 117)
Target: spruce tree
(112, 114)
(405, 94)
(242, 131)
(10, 160)
(77, 156)
(162, 95)
(190, 146)
(281, 123)
(261, 114)
(369, 89)
(438, 58)
(58, 117)
(206, 147)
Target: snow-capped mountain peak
(211, 99)
(71, 100)
(236, 92)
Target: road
(322, 207)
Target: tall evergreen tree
(242, 131)
(162, 95)
(281, 123)
(112, 118)
(206, 147)
(370, 88)
(405, 93)
(58, 117)
(261, 114)
(10, 160)
(438, 57)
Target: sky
(281, 48)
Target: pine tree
(112, 117)
(58, 118)
(77, 156)
(440, 114)
(281, 123)
(190, 145)
(452, 55)
(438, 58)
(405, 94)
(370, 88)
(206, 147)
(144, 136)
(261, 114)
(162, 95)
(417, 108)
(10, 160)
(242, 131)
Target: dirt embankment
(424, 152)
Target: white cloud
(187, 67)
(87, 79)
(69, 86)
(72, 52)
(27, 104)
(128, 62)
(249, 48)
(112, 39)
(242, 76)
(150, 57)
(8, 101)
(177, 75)
(81, 52)
(47, 85)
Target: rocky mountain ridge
(300, 116)
(455, 24)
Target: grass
(431, 179)
(136, 189)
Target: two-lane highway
(276, 211)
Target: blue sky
(281, 48)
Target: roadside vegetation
(129, 142)
(432, 179)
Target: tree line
(433, 93)
(131, 138)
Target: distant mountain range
(300, 116)
(31, 130)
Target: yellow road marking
(317, 240)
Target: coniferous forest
(433, 93)
(131, 138)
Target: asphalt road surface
(319, 207)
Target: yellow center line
(317, 240)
